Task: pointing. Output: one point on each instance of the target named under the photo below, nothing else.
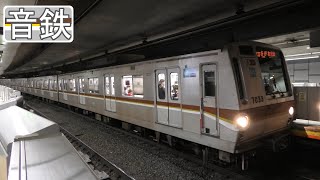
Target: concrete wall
(304, 71)
(305, 76)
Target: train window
(174, 86)
(39, 84)
(127, 86)
(238, 78)
(54, 85)
(81, 85)
(60, 85)
(209, 84)
(72, 85)
(137, 82)
(50, 84)
(107, 85)
(132, 86)
(273, 71)
(45, 84)
(112, 85)
(64, 85)
(93, 85)
(31, 84)
(161, 86)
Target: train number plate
(257, 99)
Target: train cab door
(209, 109)
(110, 99)
(168, 104)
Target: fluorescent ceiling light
(297, 58)
(289, 42)
(302, 54)
(293, 55)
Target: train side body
(202, 97)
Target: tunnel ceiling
(106, 31)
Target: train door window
(107, 85)
(65, 85)
(161, 86)
(60, 85)
(81, 85)
(209, 84)
(112, 85)
(174, 86)
(50, 84)
(54, 85)
(31, 84)
(39, 84)
(45, 84)
(72, 85)
(93, 85)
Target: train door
(110, 99)
(174, 105)
(162, 99)
(209, 108)
(168, 103)
(82, 98)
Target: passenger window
(137, 83)
(50, 84)
(174, 86)
(112, 85)
(72, 85)
(55, 85)
(45, 84)
(93, 85)
(65, 85)
(39, 84)
(60, 85)
(81, 85)
(209, 84)
(161, 86)
(107, 85)
(132, 86)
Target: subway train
(231, 100)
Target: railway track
(103, 168)
(211, 170)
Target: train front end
(266, 102)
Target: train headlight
(242, 121)
(291, 111)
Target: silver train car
(231, 99)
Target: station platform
(306, 129)
(32, 147)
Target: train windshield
(273, 72)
